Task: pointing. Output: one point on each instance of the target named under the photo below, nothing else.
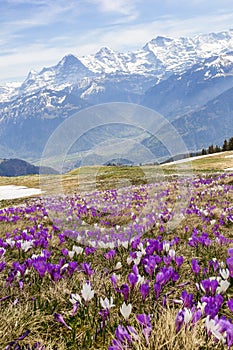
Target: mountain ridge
(160, 57)
(176, 77)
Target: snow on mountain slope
(180, 54)
(161, 54)
(193, 88)
(108, 61)
(9, 90)
(70, 70)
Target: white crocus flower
(26, 245)
(138, 258)
(224, 273)
(3, 251)
(224, 284)
(140, 280)
(129, 260)
(74, 298)
(87, 292)
(125, 244)
(64, 266)
(71, 254)
(201, 306)
(172, 253)
(106, 303)
(187, 315)
(126, 310)
(166, 246)
(213, 328)
(118, 266)
(11, 242)
(142, 249)
(78, 250)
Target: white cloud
(135, 36)
(121, 6)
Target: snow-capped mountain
(176, 77)
(159, 58)
(161, 55)
(193, 88)
(69, 71)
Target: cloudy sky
(38, 33)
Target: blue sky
(38, 33)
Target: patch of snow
(12, 192)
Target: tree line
(227, 146)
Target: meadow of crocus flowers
(104, 270)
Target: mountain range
(187, 80)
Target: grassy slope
(103, 177)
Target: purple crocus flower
(144, 290)
(104, 313)
(135, 243)
(122, 335)
(150, 264)
(90, 250)
(213, 305)
(209, 286)
(197, 315)
(116, 345)
(230, 305)
(41, 266)
(179, 261)
(72, 267)
(24, 335)
(125, 291)
(87, 269)
(157, 289)
(110, 254)
(15, 342)
(160, 278)
(65, 251)
(113, 279)
(179, 320)
(132, 278)
(59, 318)
(54, 271)
(187, 299)
(229, 262)
(230, 252)
(195, 266)
(144, 321)
(2, 265)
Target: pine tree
(203, 152)
(225, 146)
(230, 144)
(211, 149)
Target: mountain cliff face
(188, 80)
(210, 124)
(193, 88)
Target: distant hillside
(19, 167)
(119, 161)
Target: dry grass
(209, 163)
